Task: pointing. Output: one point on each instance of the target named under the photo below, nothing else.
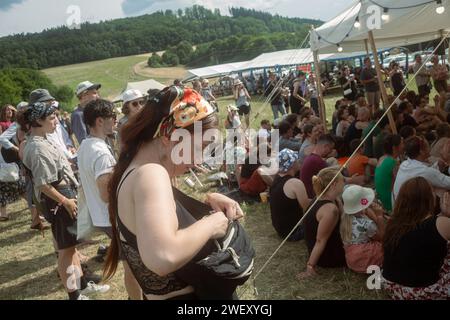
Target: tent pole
(380, 82)
(367, 46)
(322, 111)
(443, 44)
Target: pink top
(5, 125)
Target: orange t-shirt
(357, 165)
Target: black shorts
(61, 222)
(244, 110)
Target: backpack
(221, 265)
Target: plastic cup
(264, 197)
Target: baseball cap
(357, 198)
(286, 159)
(86, 85)
(40, 95)
(132, 94)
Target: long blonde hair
(324, 177)
(346, 228)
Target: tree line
(153, 32)
(16, 85)
(230, 49)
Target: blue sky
(17, 16)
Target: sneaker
(82, 297)
(95, 288)
(102, 250)
(91, 277)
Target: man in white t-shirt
(96, 161)
(95, 164)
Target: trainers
(102, 250)
(94, 288)
(82, 297)
(91, 277)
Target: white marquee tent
(215, 71)
(142, 86)
(404, 26)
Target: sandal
(4, 219)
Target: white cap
(131, 95)
(86, 85)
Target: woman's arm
(163, 246)
(328, 217)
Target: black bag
(221, 265)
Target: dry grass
(28, 264)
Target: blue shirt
(78, 126)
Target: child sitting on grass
(362, 228)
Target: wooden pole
(381, 83)
(443, 45)
(367, 46)
(322, 110)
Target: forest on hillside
(218, 38)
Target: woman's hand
(219, 224)
(310, 272)
(71, 206)
(222, 203)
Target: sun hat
(357, 198)
(233, 108)
(85, 86)
(132, 94)
(286, 159)
(40, 95)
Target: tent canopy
(404, 27)
(280, 58)
(215, 71)
(296, 57)
(142, 86)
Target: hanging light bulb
(385, 15)
(340, 49)
(357, 24)
(440, 8)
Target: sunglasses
(138, 103)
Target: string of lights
(440, 9)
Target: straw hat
(357, 198)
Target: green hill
(138, 35)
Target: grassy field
(113, 74)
